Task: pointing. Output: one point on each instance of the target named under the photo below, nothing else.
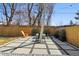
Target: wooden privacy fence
(21, 30)
(72, 34)
(14, 30)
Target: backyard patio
(37, 29)
(50, 47)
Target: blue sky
(63, 13)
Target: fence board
(72, 34)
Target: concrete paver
(22, 51)
(51, 43)
(39, 51)
(39, 46)
(14, 44)
(61, 43)
(53, 47)
(73, 53)
(67, 47)
(28, 46)
(48, 40)
(57, 52)
(5, 48)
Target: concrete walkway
(50, 47)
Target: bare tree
(33, 12)
(20, 14)
(9, 15)
(29, 7)
(50, 10)
(39, 14)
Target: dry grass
(4, 40)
